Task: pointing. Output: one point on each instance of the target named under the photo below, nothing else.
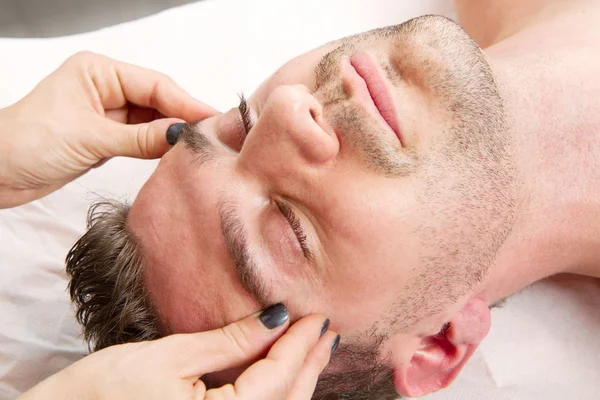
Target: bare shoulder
(491, 21)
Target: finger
(281, 366)
(314, 364)
(230, 346)
(133, 115)
(120, 83)
(145, 141)
(141, 115)
(119, 115)
(199, 390)
(148, 88)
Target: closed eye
(296, 226)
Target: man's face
(363, 180)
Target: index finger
(231, 346)
(118, 83)
(283, 362)
(153, 89)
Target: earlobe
(440, 357)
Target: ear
(439, 358)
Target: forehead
(191, 282)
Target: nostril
(315, 114)
(316, 109)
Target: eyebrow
(232, 227)
(198, 143)
(236, 242)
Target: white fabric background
(542, 344)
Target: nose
(291, 133)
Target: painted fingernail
(274, 316)
(335, 344)
(174, 132)
(325, 327)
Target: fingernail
(335, 344)
(325, 327)
(274, 316)
(174, 132)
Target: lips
(377, 90)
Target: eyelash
(245, 115)
(294, 222)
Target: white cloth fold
(541, 345)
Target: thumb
(147, 140)
(232, 345)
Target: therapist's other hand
(90, 109)
(170, 368)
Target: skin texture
(468, 215)
(370, 205)
(94, 116)
(170, 367)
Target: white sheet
(541, 345)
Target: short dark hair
(105, 266)
(106, 280)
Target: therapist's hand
(90, 109)
(170, 368)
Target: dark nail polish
(174, 132)
(325, 327)
(274, 316)
(335, 344)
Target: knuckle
(162, 83)
(82, 61)
(83, 57)
(164, 79)
(155, 94)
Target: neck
(556, 147)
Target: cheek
(374, 250)
(367, 281)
